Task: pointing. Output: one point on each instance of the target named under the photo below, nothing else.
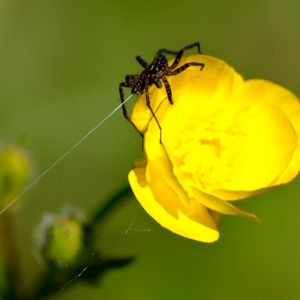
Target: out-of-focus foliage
(14, 173)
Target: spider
(156, 73)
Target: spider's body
(152, 74)
(156, 73)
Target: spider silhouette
(156, 73)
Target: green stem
(111, 204)
(9, 253)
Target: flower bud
(15, 172)
(61, 239)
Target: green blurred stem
(104, 211)
(9, 253)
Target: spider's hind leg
(153, 114)
(185, 66)
(166, 51)
(181, 51)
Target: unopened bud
(15, 172)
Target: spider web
(63, 156)
(131, 227)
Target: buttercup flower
(224, 139)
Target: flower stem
(9, 253)
(103, 211)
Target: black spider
(156, 73)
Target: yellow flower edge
(224, 139)
(195, 222)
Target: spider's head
(131, 80)
(135, 82)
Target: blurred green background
(60, 65)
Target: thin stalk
(104, 211)
(9, 253)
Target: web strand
(62, 157)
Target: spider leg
(125, 113)
(141, 62)
(156, 81)
(152, 112)
(172, 52)
(180, 53)
(185, 66)
(166, 51)
(168, 89)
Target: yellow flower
(224, 139)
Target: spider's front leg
(123, 85)
(180, 52)
(166, 51)
(141, 62)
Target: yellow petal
(194, 222)
(260, 154)
(235, 195)
(289, 104)
(220, 205)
